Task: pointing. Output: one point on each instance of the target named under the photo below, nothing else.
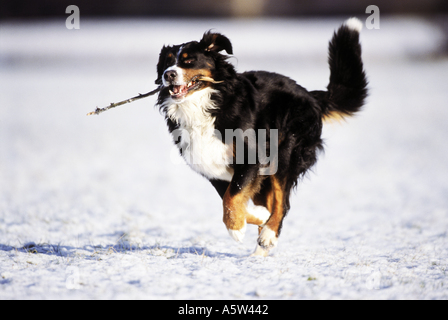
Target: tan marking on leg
(268, 236)
(235, 211)
(250, 219)
(278, 208)
(265, 198)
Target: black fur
(347, 89)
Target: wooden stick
(141, 96)
(113, 105)
(209, 80)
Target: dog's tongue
(180, 89)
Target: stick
(209, 80)
(113, 105)
(141, 96)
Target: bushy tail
(347, 89)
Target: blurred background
(216, 8)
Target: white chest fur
(200, 145)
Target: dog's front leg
(243, 186)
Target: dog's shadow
(95, 251)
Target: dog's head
(191, 67)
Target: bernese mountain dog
(253, 135)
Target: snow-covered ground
(95, 207)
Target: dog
(204, 101)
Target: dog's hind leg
(268, 235)
(264, 203)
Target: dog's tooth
(171, 92)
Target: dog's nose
(170, 75)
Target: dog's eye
(188, 61)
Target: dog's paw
(238, 235)
(260, 252)
(267, 238)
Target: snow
(98, 208)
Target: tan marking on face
(189, 74)
(185, 55)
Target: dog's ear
(161, 64)
(216, 42)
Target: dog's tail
(347, 89)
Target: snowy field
(96, 208)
